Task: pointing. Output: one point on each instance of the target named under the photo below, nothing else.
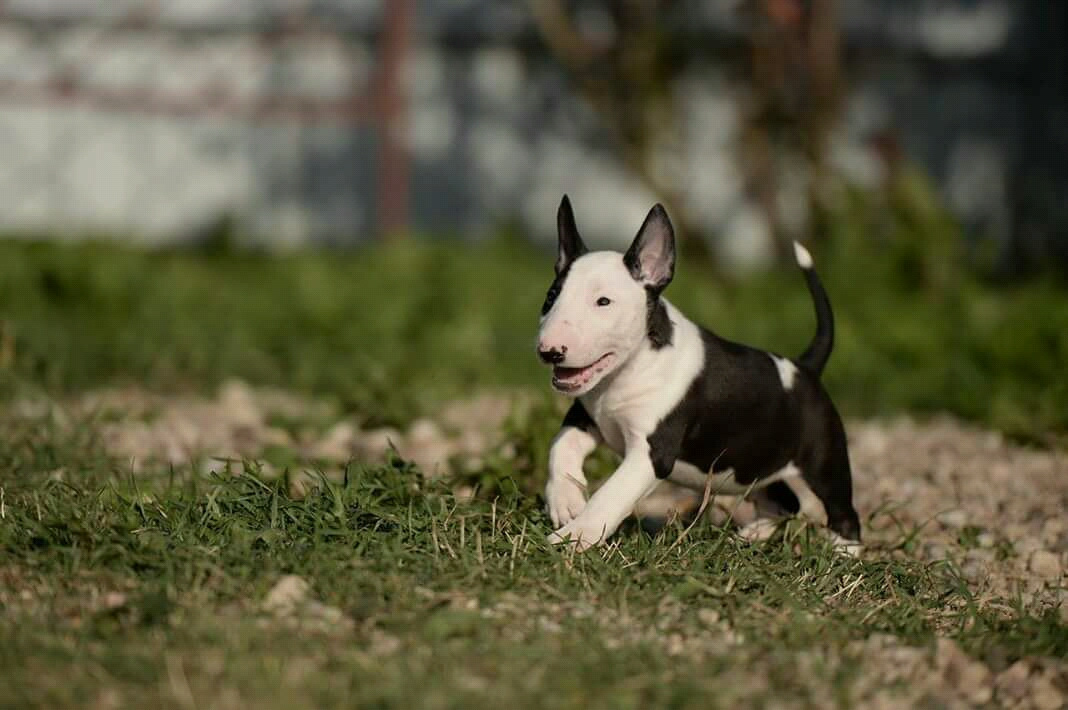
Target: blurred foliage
(391, 331)
(630, 62)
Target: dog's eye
(603, 301)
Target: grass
(148, 592)
(444, 319)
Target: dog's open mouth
(569, 379)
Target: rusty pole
(392, 121)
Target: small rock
(287, 593)
(375, 443)
(424, 432)
(301, 484)
(974, 571)
(114, 600)
(1045, 564)
(382, 644)
(675, 644)
(708, 617)
(337, 443)
(473, 464)
(1012, 682)
(963, 671)
(1045, 696)
(953, 518)
(935, 551)
(1026, 545)
(986, 540)
(486, 411)
(273, 436)
(239, 404)
(432, 459)
(1052, 528)
(980, 555)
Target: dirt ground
(934, 489)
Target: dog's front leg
(565, 492)
(612, 502)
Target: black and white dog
(677, 402)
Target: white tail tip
(804, 259)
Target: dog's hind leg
(832, 484)
(773, 503)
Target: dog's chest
(609, 426)
(619, 424)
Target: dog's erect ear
(651, 258)
(571, 246)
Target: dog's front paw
(565, 498)
(580, 534)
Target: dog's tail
(819, 350)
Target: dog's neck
(652, 379)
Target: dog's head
(602, 306)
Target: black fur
(737, 415)
(578, 417)
(657, 323)
(570, 247)
(570, 241)
(554, 289)
(819, 350)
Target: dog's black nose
(552, 355)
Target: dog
(677, 402)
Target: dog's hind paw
(759, 530)
(847, 547)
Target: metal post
(392, 120)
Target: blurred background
(357, 198)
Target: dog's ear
(651, 257)
(571, 246)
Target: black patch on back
(554, 289)
(657, 323)
(736, 415)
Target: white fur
(811, 506)
(585, 331)
(723, 481)
(648, 385)
(565, 493)
(768, 513)
(787, 371)
(613, 501)
(759, 530)
(627, 387)
(627, 407)
(848, 547)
